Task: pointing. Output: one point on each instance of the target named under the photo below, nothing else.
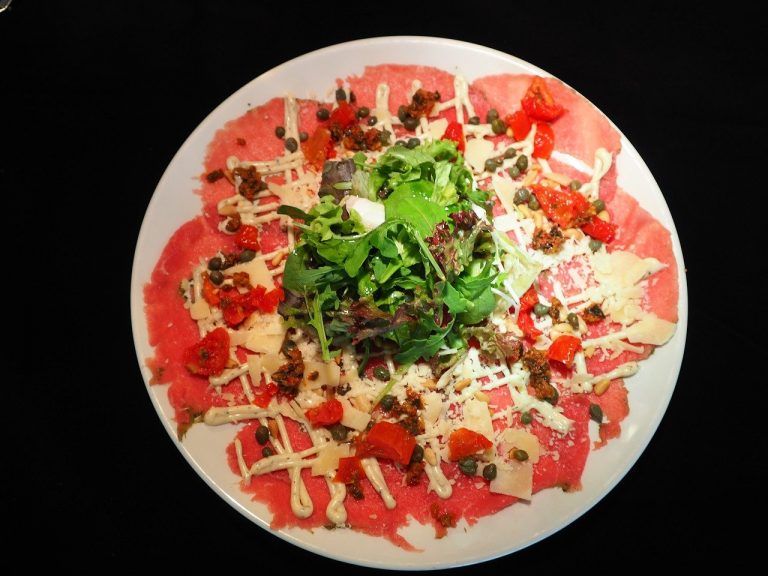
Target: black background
(96, 98)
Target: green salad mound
(413, 284)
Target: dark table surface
(96, 99)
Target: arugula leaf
(407, 203)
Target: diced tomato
(563, 349)
(247, 237)
(565, 207)
(601, 230)
(455, 132)
(388, 440)
(538, 102)
(519, 123)
(350, 470)
(209, 356)
(524, 319)
(464, 442)
(319, 147)
(264, 394)
(326, 414)
(210, 292)
(543, 141)
(344, 115)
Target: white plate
(514, 528)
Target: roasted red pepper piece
(543, 141)
(247, 237)
(208, 357)
(464, 442)
(565, 207)
(344, 115)
(564, 349)
(319, 147)
(326, 414)
(210, 292)
(350, 470)
(519, 123)
(388, 440)
(538, 102)
(524, 320)
(599, 229)
(455, 132)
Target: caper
(400, 142)
(247, 255)
(352, 97)
(412, 143)
(267, 452)
(489, 472)
(363, 111)
(491, 115)
(280, 131)
(372, 120)
(498, 126)
(381, 373)
(574, 184)
(510, 153)
(291, 145)
(468, 466)
(216, 277)
(595, 244)
(520, 455)
(599, 205)
(522, 196)
(533, 203)
(411, 123)
(596, 413)
(540, 310)
(387, 402)
(573, 320)
(323, 114)
(402, 113)
(526, 418)
(215, 263)
(553, 397)
(340, 94)
(303, 136)
(418, 454)
(474, 120)
(522, 163)
(262, 435)
(513, 171)
(491, 165)
(339, 432)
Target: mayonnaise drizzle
(218, 415)
(301, 503)
(438, 483)
(373, 473)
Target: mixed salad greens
(399, 255)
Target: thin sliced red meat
(580, 131)
(615, 405)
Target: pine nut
(461, 384)
(601, 387)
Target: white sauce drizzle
(376, 478)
